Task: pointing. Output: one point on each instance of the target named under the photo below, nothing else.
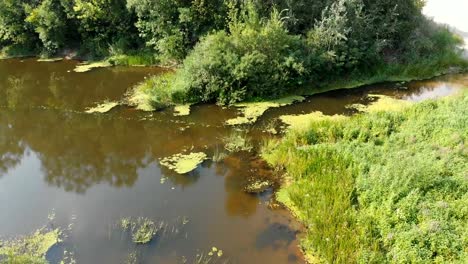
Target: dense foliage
(381, 187)
(234, 50)
(258, 56)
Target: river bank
(382, 186)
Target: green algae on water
(182, 110)
(102, 108)
(183, 164)
(86, 67)
(32, 247)
(253, 110)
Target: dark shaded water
(93, 169)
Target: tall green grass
(381, 187)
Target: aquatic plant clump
(257, 186)
(237, 141)
(88, 66)
(30, 249)
(381, 186)
(253, 110)
(144, 230)
(183, 164)
(102, 108)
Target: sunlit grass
(384, 186)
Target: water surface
(91, 170)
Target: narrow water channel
(91, 170)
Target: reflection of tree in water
(11, 150)
(236, 173)
(78, 151)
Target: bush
(50, 22)
(258, 59)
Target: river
(87, 171)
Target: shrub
(258, 58)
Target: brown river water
(91, 170)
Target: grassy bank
(382, 186)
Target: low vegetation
(385, 186)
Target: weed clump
(237, 141)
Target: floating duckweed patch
(252, 111)
(302, 122)
(182, 164)
(257, 186)
(86, 67)
(237, 141)
(102, 108)
(32, 248)
(182, 110)
(383, 103)
(50, 60)
(215, 255)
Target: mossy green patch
(182, 110)
(183, 164)
(88, 66)
(251, 111)
(29, 248)
(102, 108)
(302, 122)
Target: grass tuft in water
(144, 231)
(237, 141)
